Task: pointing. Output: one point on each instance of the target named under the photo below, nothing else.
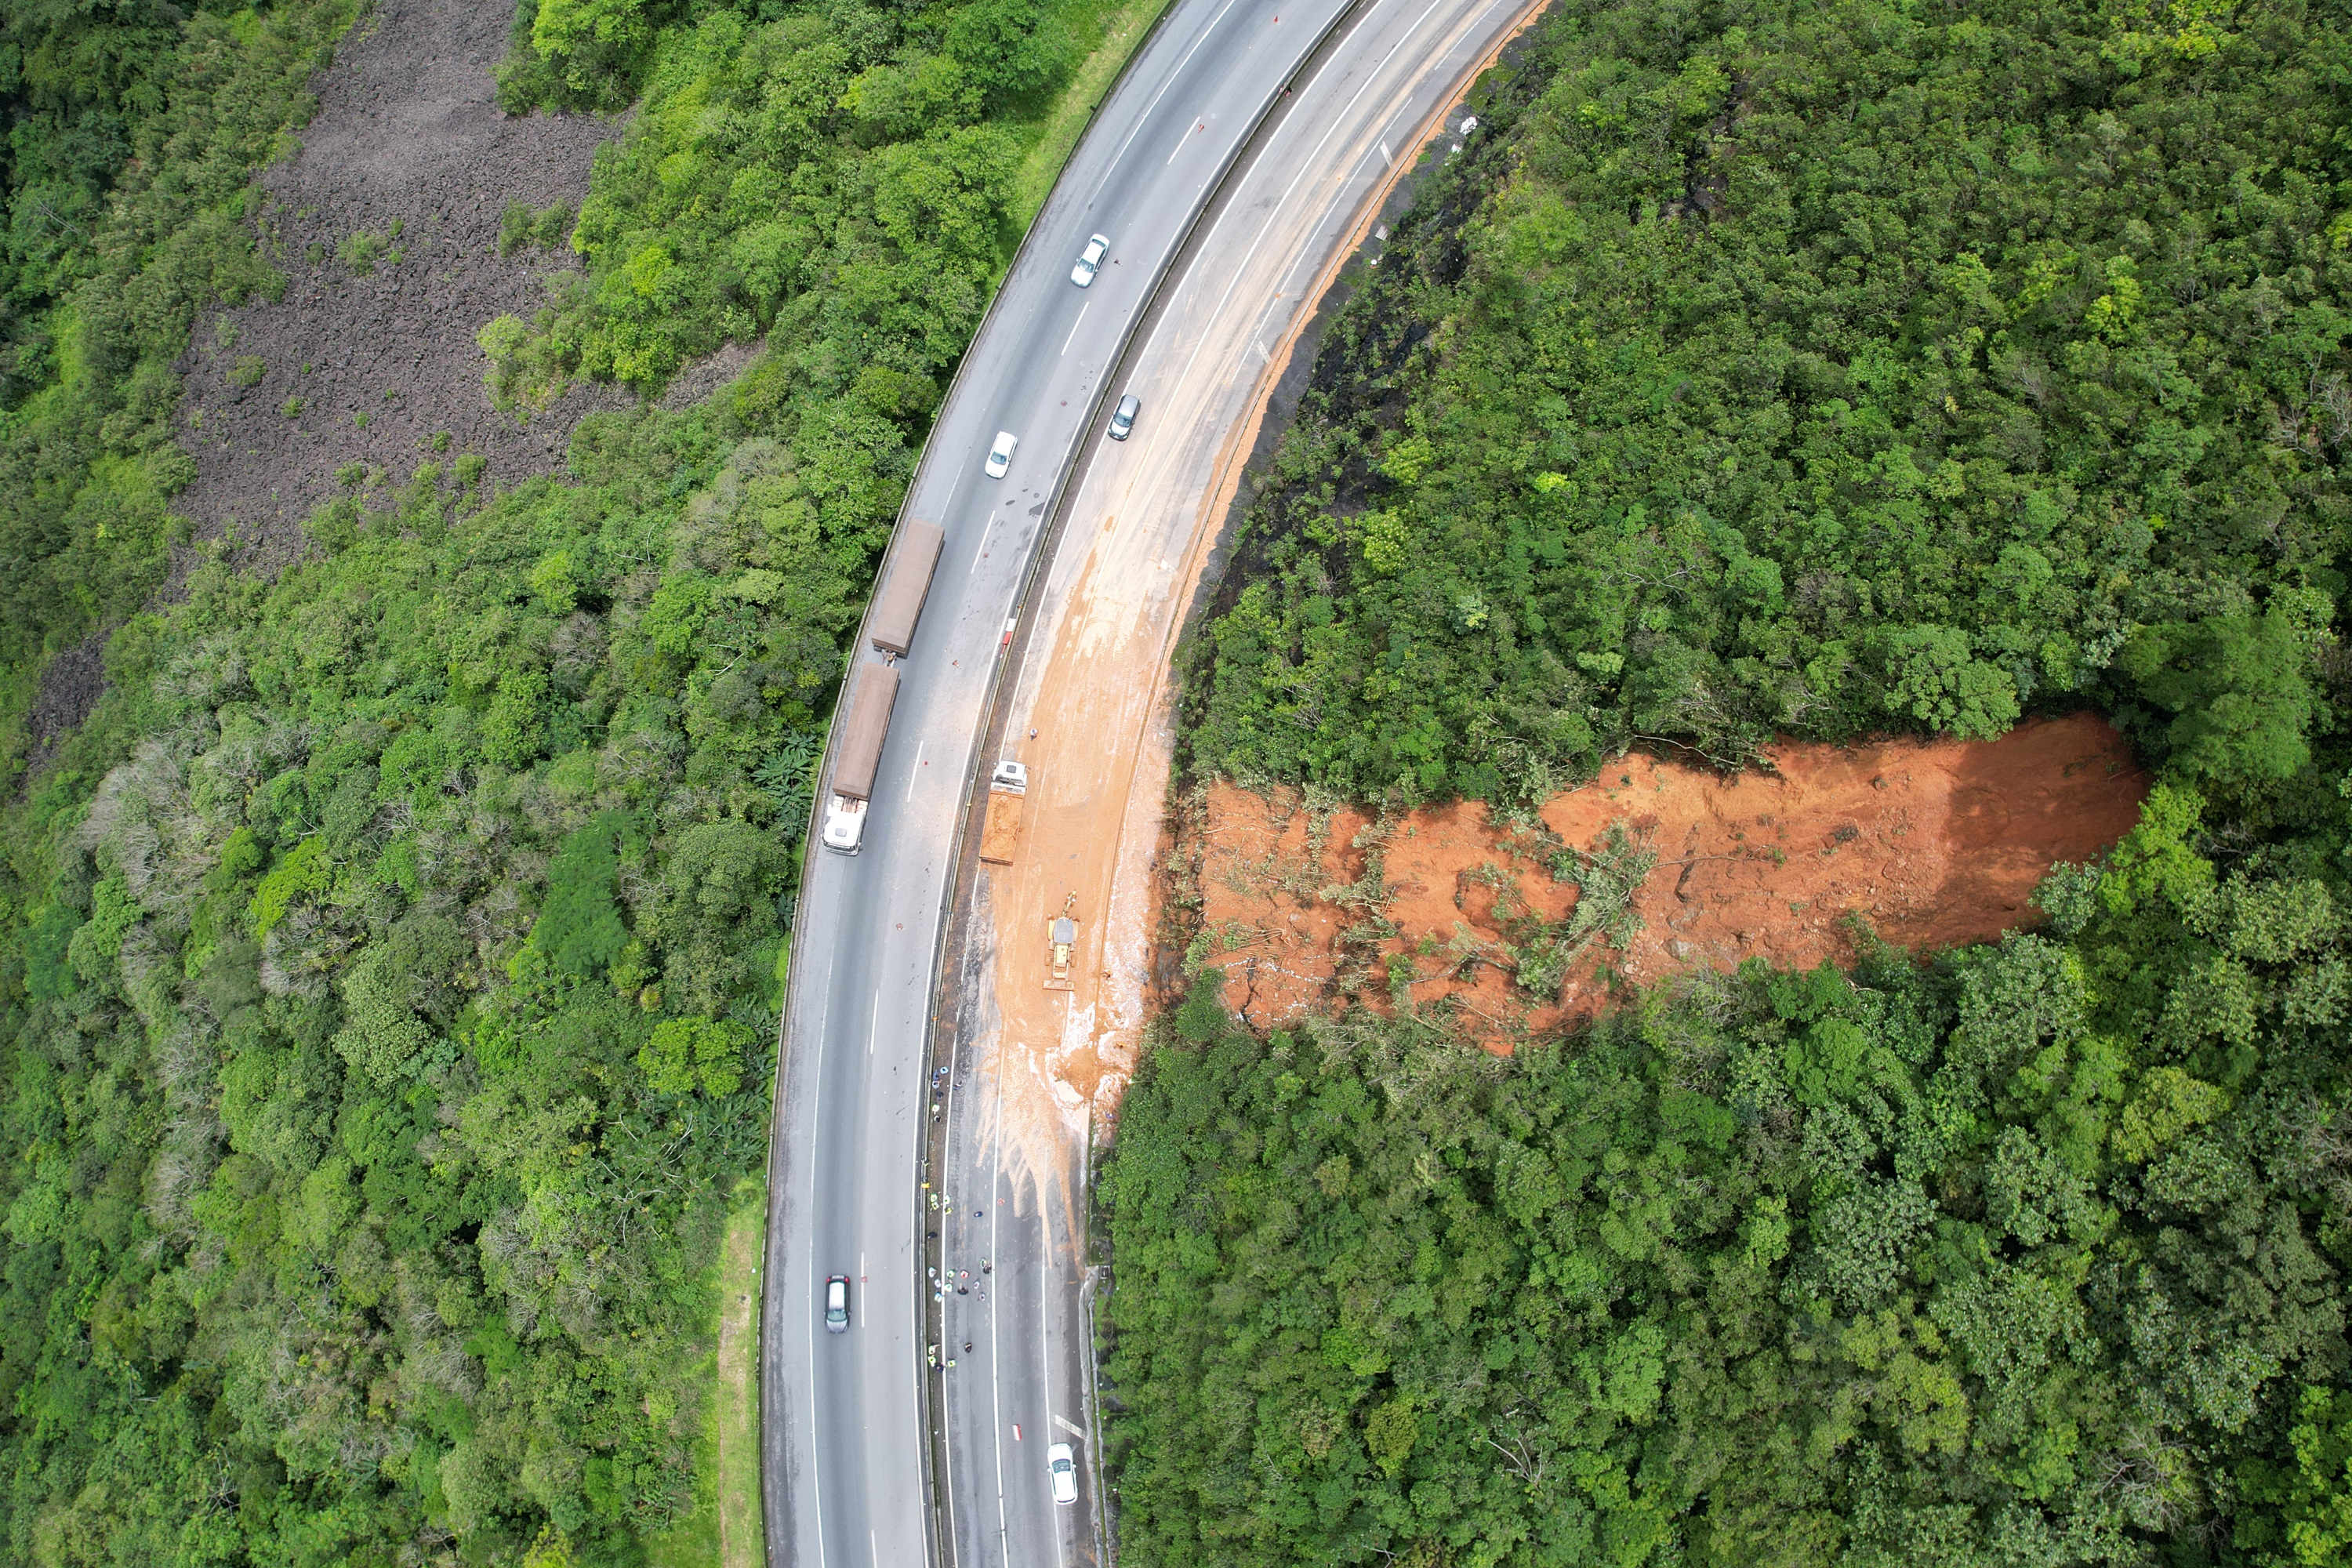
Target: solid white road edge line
(816, 1482)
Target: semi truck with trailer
(872, 692)
(906, 583)
(890, 627)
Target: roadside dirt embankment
(1934, 845)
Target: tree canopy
(2035, 1255)
(1814, 370)
(389, 965)
(1822, 370)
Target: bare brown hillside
(1933, 845)
(367, 359)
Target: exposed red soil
(1934, 845)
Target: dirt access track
(1932, 844)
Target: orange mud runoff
(1934, 845)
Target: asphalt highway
(1090, 684)
(844, 1414)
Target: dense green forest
(1826, 369)
(2035, 1257)
(389, 965)
(1815, 369)
(132, 130)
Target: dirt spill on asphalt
(1933, 845)
(1059, 1055)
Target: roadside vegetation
(389, 964)
(1819, 371)
(724, 1528)
(1821, 374)
(133, 130)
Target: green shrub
(360, 251)
(520, 225)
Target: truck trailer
(871, 695)
(999, 830)
(906, 582)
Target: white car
(1090, 260)
(999, 455)
(1063, 1467)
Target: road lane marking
(922, 1330)
(1074, 329)
(1045, 1349)
(982, 554)
(875, 1547)
(915, 772)
(1307, 164)
(872, 1030)
(1198, 126)
(816, 1483)
(1145, 118)
(1072, 1428)
(1384, 155)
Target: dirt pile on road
(367, 358)
(1932, 844)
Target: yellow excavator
(1062, 933)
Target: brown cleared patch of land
(1930, 845)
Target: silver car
(836, 1304)
(1090, 260)
(1122, 418)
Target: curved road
(1088, 681)
(845, 1416)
